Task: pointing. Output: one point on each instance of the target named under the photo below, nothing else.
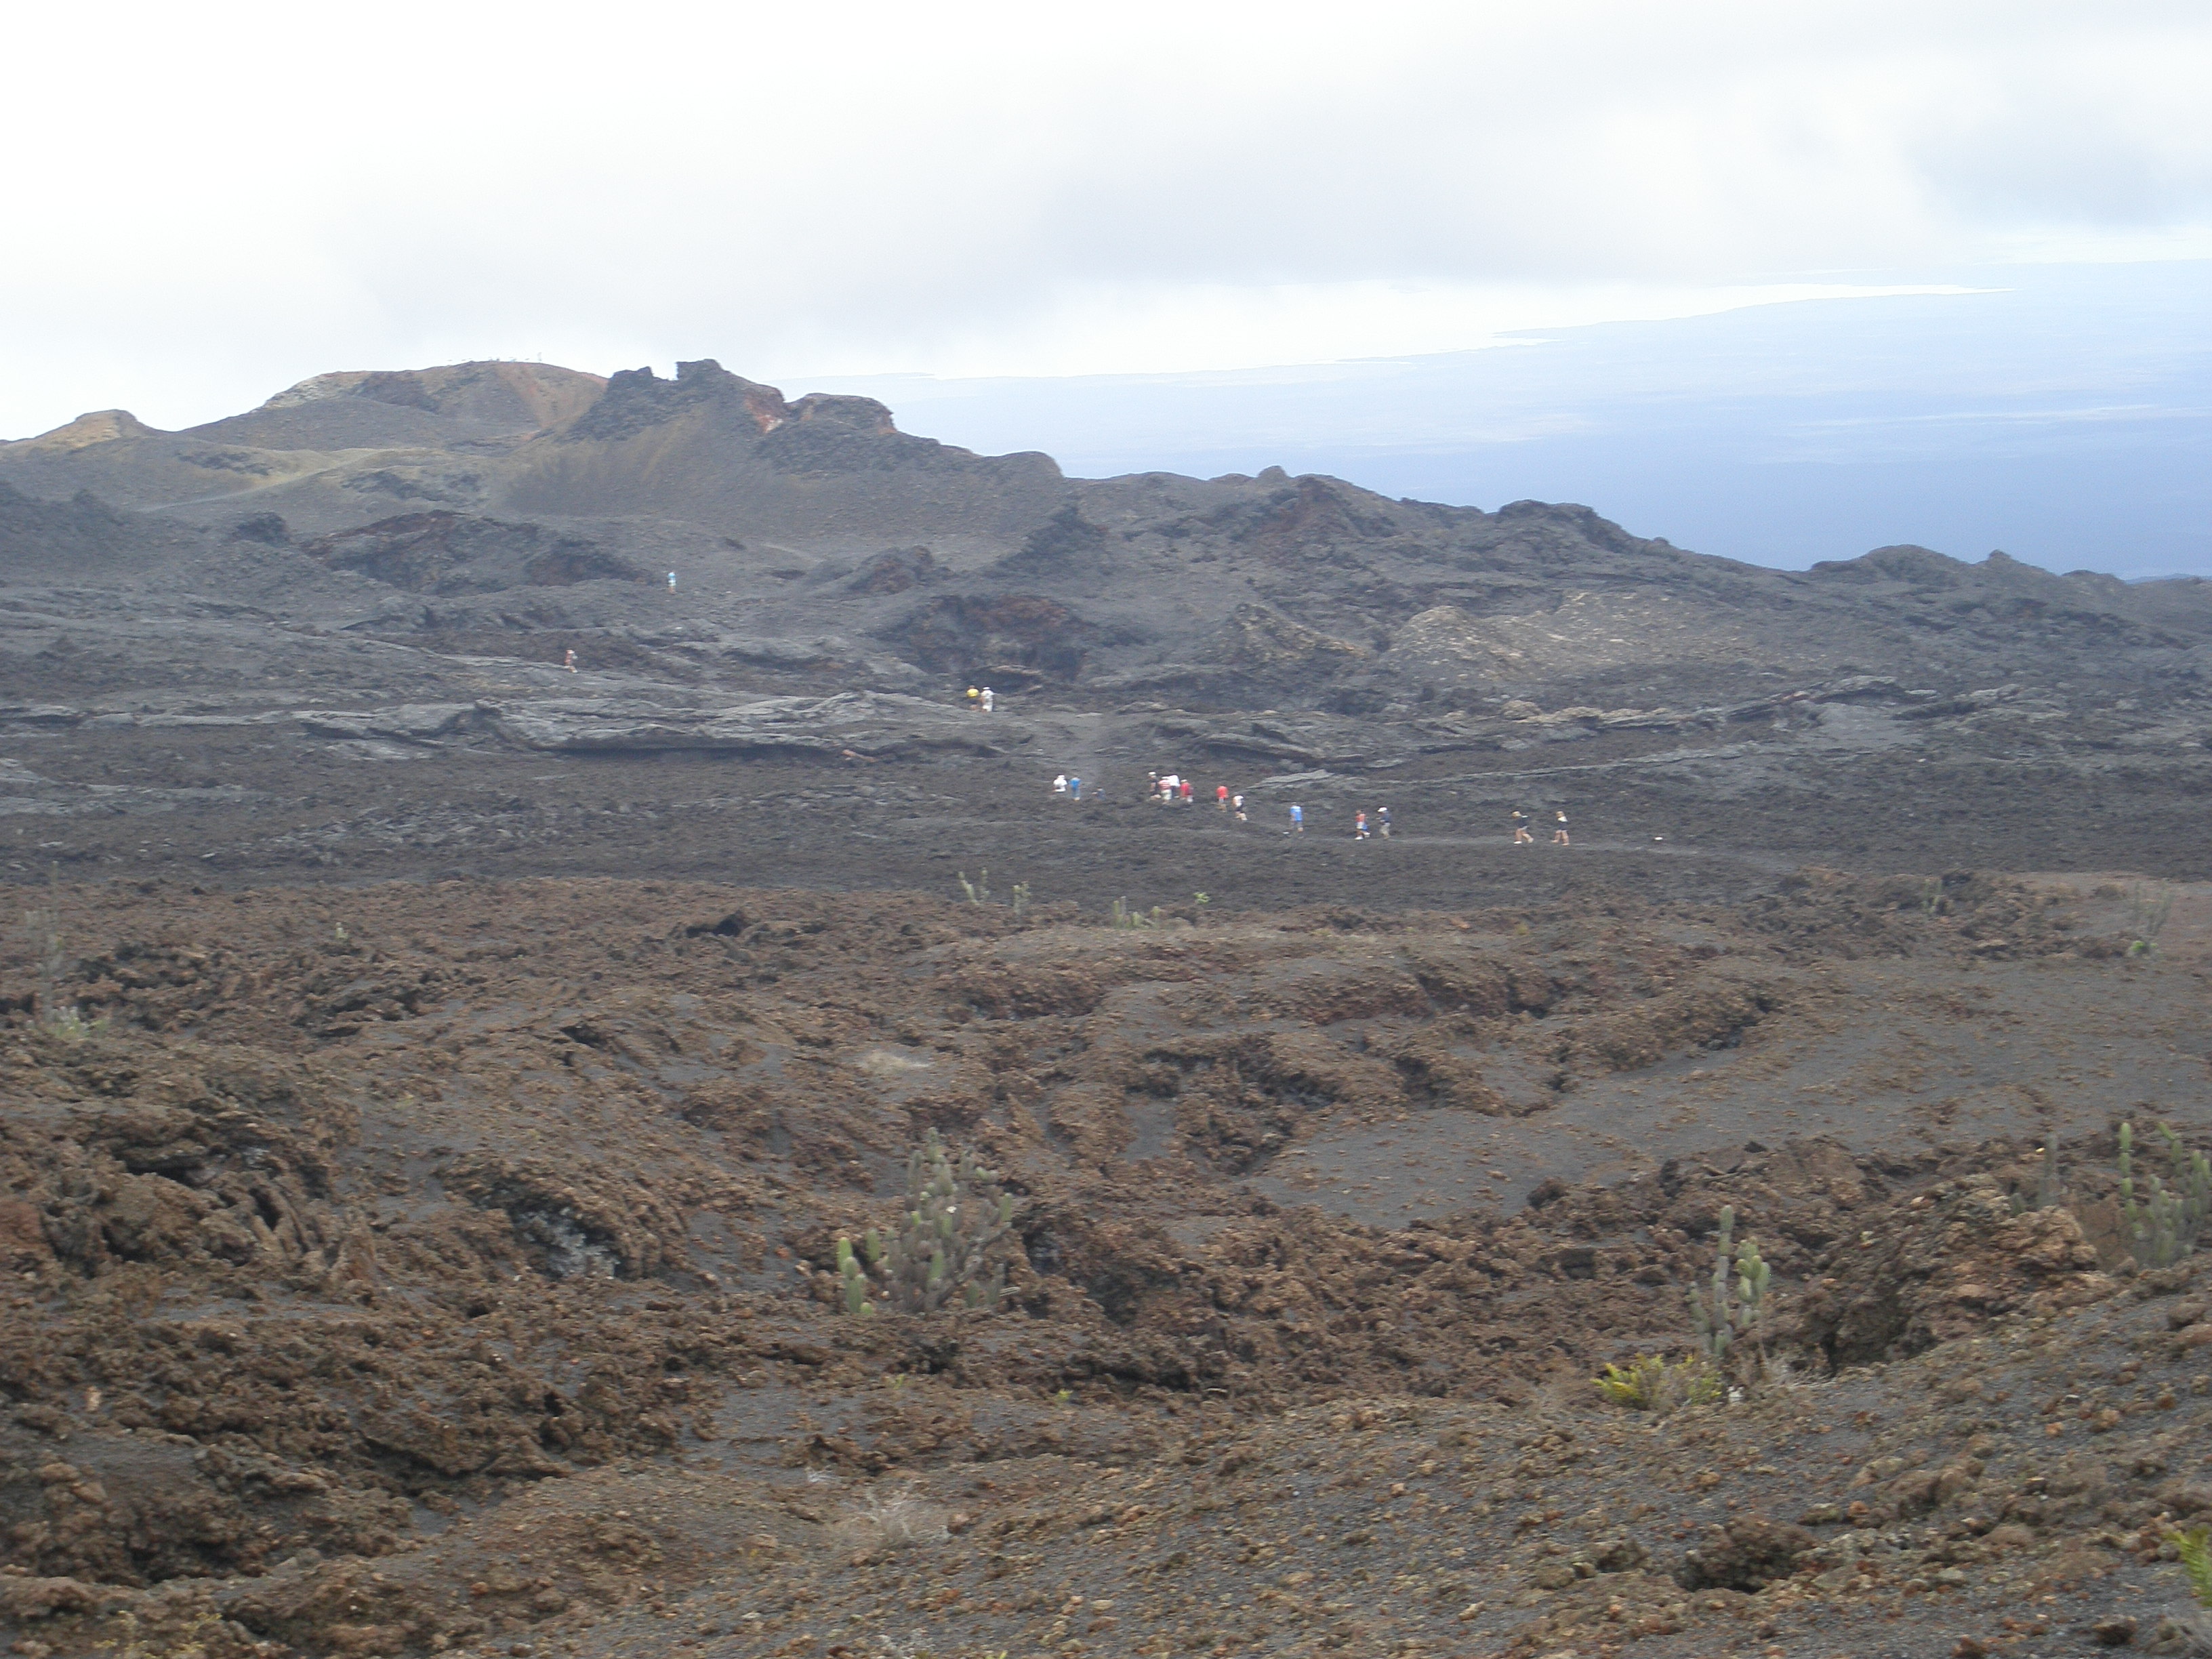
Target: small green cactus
(1124, 917)
(2147, 911)
(2162, 1227)
(854, 1281)
(1730, 1310)
(936, 1257)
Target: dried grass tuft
(899, 1521)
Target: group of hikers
(1167, 789)
(1522, 836)
(1171, 789)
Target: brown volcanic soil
(399, 1266)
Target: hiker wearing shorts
(1297, 820)
(1521, 836)
(1221, 796)
(1360, 826)
(1559, 834)
(1237, 805)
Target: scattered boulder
(41, 1598)
(1257, 637)
(896, 570)
(1618, 1555)
(268, 529)
(1747, 1554)
(1939, 1267)
(1016, 637)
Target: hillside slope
(818, 517)
(838, 584)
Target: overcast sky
(206, 203)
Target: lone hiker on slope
(1297, 820)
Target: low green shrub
(2194, 1546)
(1652, 1383)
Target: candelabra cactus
(2162, 1227)
(853, 1280)
(1731, 1308)
(955, 1212)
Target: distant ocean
(2062, 413)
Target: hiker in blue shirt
(1075, 786)
(1297, 820)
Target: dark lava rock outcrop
(446, 553)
